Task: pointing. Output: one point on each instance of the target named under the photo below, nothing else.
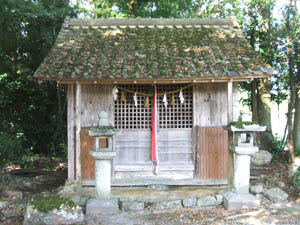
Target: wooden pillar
(230, 102)
(229, 120)
(71, 132)
(78, 129)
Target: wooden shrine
(114, 65)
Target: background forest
(33, 114)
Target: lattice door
(133, 145)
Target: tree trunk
(296, 134)
(296, 131)
(292, 87)
(264, 111)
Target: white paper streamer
(181, 97)
(165, 101)
(135, 100)
(115, 93)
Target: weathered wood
(229, 102)
(78, 129)
(71, 131)
(96, 98)
(149, 181)
(235, 101)
(87, 161)
(210, 105)
(212, 153)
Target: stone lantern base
(237, 201)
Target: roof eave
(153, 80)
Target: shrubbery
(296, 179)
(12, 151)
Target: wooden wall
(209, 110)
(210, 104)
(94, 99)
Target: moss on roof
(93, 51)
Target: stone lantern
(104, 202)
(242, 144)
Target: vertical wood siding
(96, 98)
(71, 132)
(87, 161)
(211, 104)
(212, 153)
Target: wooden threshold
(150, 167)
(152, 181)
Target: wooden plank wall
(133, 147)
(87, 161)
(210, 104)
(212, 153)
(71, 131)
(96, 98)
(175, 146)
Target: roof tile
(164, 50)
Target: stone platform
(132, 199)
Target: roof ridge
(150, 22)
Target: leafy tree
(30, 112)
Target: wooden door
(212, 153)
(87, 161)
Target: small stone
(219, 199)
(63, 215)
(3, 204)
(259, 197)
(102, 206)
(276, 195)
(132, 206)
(236, 201)
(13, 194)
(261, 158)
(158, 186)
(281, 184)
(189, 202)
(256, 189)
(12, 211)
(207, 201)
(172, 204)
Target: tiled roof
(151, 49)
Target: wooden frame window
(174, 116)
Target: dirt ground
(48, 174)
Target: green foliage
(158, 8)
(12, 151)
(34, 112)
(240, 124)
(296, 179)
(47, 204)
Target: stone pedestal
(103, 173)
(242, 147)
(242, 168)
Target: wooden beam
(78, 129)
(157, 81)
(230, 119)
(71, 133)
(230, 102)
